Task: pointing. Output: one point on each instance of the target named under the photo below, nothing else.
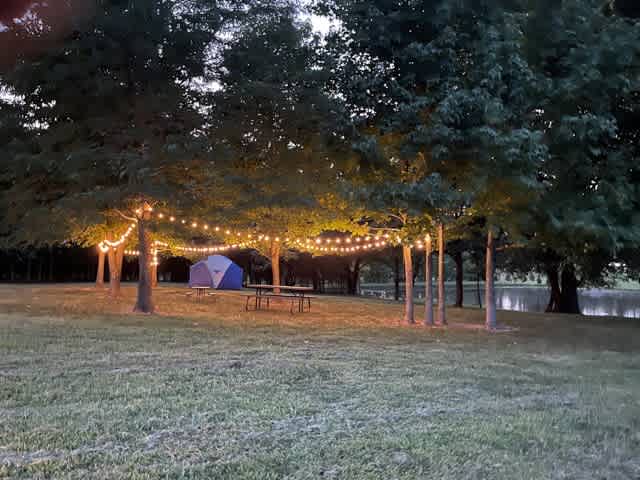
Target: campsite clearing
(207, 390)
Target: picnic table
(264, 294)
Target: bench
(257, 299)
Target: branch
(126, 217)
(394, 229)
(398, 217)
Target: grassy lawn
(206, 390)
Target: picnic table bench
(264, 294)
(201, 292)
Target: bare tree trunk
(145, 290)
(100, 273)
(458, 259)
(408, 284)
(490, 296)
(428, 283)
(442, 318)
(555, 294)
(275, 265)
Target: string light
(321, 243)
(106, 245)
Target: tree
(448, 82)
(275, 120)
(113, 115)
(588, 212)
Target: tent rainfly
(216, 272)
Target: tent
(216, 272)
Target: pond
(597, 302)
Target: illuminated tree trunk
(100, 274)
(114, 273)
(154, 275)
(442, 319)
(275, 265)
(145, 290)
(428, 283)
(408, 284)
(490, 296)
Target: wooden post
(442, 319)
(408, 284)
(490, 297)
(428, 283)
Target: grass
(206, 390)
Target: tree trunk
(458, 259)
(442, 319)
(490, 296)
(114, 273)
(428, 283)
(154, 275)
(100, 273)
(120, 258)
(478, 286)
(275, 265)
(396, 277)
(408, 284)
(569, 291)
(353, 275)
(145, 290)
(555, 294)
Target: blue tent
(216, 272)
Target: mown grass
(209, 391)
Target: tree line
(505, 129)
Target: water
(597, 302)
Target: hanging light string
(105, 245)
(318, 244)
(321, 243)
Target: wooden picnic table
(295, 293)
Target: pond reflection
(597, 302)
